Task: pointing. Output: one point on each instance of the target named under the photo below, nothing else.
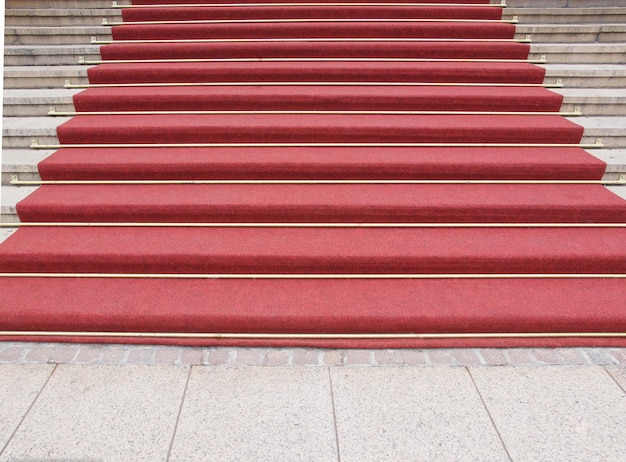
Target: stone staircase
(583, 41)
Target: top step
(44, 4)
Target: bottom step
(318, 306)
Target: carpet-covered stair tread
(318, 128)
(357, 71)
(316, 49)
(315, 250)
(319, 306)
(362, 29)
(331, 11)
(318, 97)
(321, 162)
(320, 203)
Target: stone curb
(79, 354)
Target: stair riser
(43, 4)
(597, 15)
(59, 18)
(585, 81)
(48, 59)
(28, 109)
(594, 109)
(24, 138)
(44, 81)
(33, 37)
(588, 35)
(553, 56)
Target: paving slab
(556, 413)
(256, 413)
(19, 387)
(408, 414)
(105, 413)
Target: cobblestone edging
(63, 353)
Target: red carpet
(568, 286)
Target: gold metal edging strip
(527, 39)
(305, 225)
(82, 60)
(307, 4)
(316, 276)
(105, 21)
(17, 182)
(309, 336)
(53, 112)
(598, 144)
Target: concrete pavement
(118, 402)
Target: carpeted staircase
(372, 175)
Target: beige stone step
(594, 101)
(572, 33)
(612, 130)
(46, 55)
(22, 162)
(57, 17)
(62, 3)
(539, 14)
(44, 76)
(36, 102)
(579, 53)
(67, 35)
(19, 132)
(587, 76)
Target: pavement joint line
(334, 413)
(486, 408)
(178, 414)
(164, 355)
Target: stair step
(35, 77)
(22, 162)
(68, 35)
(594, 101)
(564, 3)
(326, 11)
(317, 72)
(587, 76)
(36, 102)
(317, 98)
(365, 49)
(612, 130)
(378, 29)
(44, 55)
(10, 197)
(323, 203)
(289, 128)
(19, 132)
(320, 306)
(66, 4)
(597, 15)
(317, 250)
(572, 33)
(615, 160)
(351, 163)
(574, 53)
(56, 17)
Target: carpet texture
(315, 44)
